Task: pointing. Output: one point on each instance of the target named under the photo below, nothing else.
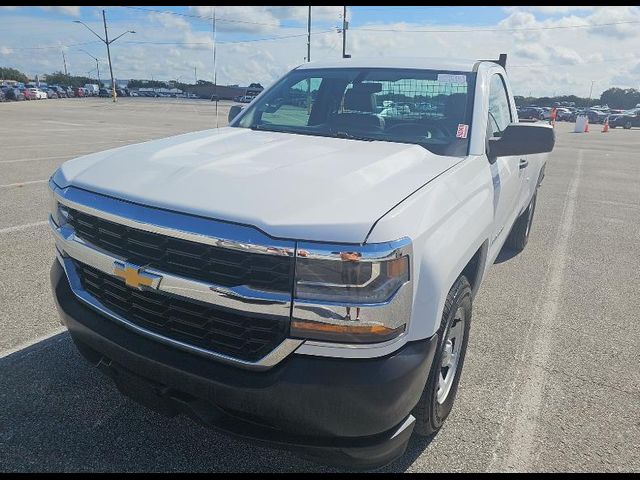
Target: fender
(448, 221)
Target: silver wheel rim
(450, 356)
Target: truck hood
(287, 185)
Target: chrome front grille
(247, 337)
(224, 290)
(199, 261)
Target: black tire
(519, 235)
(627, 125)
(429, 413)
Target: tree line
(622, 98)
(619, 98)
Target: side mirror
(522, 139)
(234, 111)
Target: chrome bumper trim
(186, 227)
(243, 299)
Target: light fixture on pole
(107, 42)
(97, 63)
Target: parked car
(14, 94)
(78, 92)
(594, 116)
(103, 92)
(27, 93)
(51, 93)
(628, 119)
(38, 94)
(62, 92)
(2, 96)
(531, 113)
(563, 113)
(304, 283)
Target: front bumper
(350, 412)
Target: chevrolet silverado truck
(305, 276)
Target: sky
(552, 50)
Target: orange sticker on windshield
(462, 130)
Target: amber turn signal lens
(343, 333)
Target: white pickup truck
(305, 276)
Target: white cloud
(557, 60)
(551, 9)
(73, 10)
(565, 56)
(265, 19)
(170, 21)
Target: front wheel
(439, 393)
(627, 125)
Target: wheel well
(473, 268)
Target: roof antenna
(502, 60)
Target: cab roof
(420, 63)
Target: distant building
(224, 92)
(119, 83)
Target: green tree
(59, 78)
(7, 73)
(146, 84)
(623, 98)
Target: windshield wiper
(350, 136)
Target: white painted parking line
(57, 122)
(20, 184)
(527, 406)
(34, 341)
(35, 159)
(26, 226)
(68, 144)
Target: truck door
(508, 172)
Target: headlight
(59, 213)
(350, 294)
(349, 279)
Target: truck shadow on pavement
(505, 255)
(61, 414)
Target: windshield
(431, 108)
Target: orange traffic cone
(605, 128)
(586, 126)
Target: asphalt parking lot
(552, 375)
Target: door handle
(523, 163)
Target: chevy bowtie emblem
(135, 276)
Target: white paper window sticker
(450, 78)
(462, 131)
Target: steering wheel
(423, 129)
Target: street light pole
(309, 36)
(591, 91)
(64, 61)
(106, 41)
(106, 37)
(345, 25)
(97, 64)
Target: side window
(499, 111)
(293, 106)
